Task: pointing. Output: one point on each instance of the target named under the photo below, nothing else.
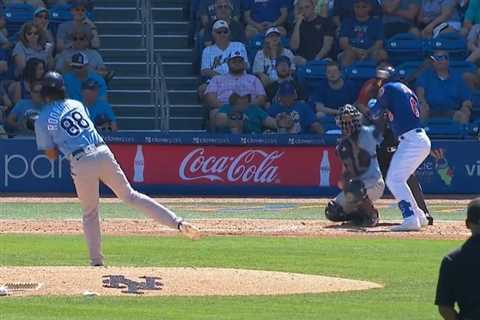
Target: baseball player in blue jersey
(64, 126)
(399, 105)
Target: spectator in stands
(293, 116)
(336, 92)
(361, 37)
(32, 44)
(262, 15)
(4, 67)
(16, 123)
(40, 20)
(437, 16)
(66, 29)
(80, 73)
(313, 35)
(264, 63)
(399, 16)
(442, 92)
(4, 42)
(321, 7)
(215, 57)
(32, 74)
(241, 116)
(221, 87)
(33, 3)
(473, 40)
(223, 11)
(472, 16)
(81, 43)
(343, 9)
(100, 110)
(284, 72)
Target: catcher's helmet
(349, 119)
(52, 82)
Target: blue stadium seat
(407, 69)
(454, 43)
(15, 16)
(404, 47)
(446, 129)
(462, 66)
(360, 72)
(476, 105)
(312, 74)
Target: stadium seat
(360, 72)
(476, 105)
(462, 66)
(15, 16)
(312, 74)
(404, 47)
(451, 42)
(446, 129)
(407, 70)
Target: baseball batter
(64, 125)
(362, 180)
(402, 109)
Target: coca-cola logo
(250, 166)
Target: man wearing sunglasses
(78, 8)
(442, 92)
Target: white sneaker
(189, 231)
(409, 224)
(423, 220)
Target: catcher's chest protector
(355, 159)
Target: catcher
(362, 182)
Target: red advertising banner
(230, 166)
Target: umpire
(458, 281)
(389, 144)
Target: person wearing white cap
(214, 57)
(265, 59)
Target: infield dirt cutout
(68, 281)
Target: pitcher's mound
(115, 281)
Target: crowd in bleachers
(299, 61)
(37, 36)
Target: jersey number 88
(74, 123)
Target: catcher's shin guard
(334, 212)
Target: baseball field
(262, 259)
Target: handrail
(162, 101)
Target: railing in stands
(162, 100)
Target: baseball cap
(234, 55)
(272, 30)
(39, 10)
(79, 59)
(286, 88)
(219, 24)
(473, 211)
(90, 84)
(283, 59)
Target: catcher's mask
(349, 119)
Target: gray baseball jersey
(369, 142)
(65, 125)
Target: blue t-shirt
(344, 8)
(401, 105)
(74, 86)
(101, 107)
(362, 34)
(65, 125)
(333, 98)
(265, 10)
(301, 114)
(444, 95)
(19, 111)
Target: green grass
(208, 211)
(407, 268)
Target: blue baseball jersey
(401, 105)
(65, 125)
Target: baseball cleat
(189, 231)
(408, 224)
(423, 220)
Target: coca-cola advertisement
(235, 166)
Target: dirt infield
(118, 281)
(238, 227)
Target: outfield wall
(206, 164)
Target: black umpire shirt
(459, 280)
